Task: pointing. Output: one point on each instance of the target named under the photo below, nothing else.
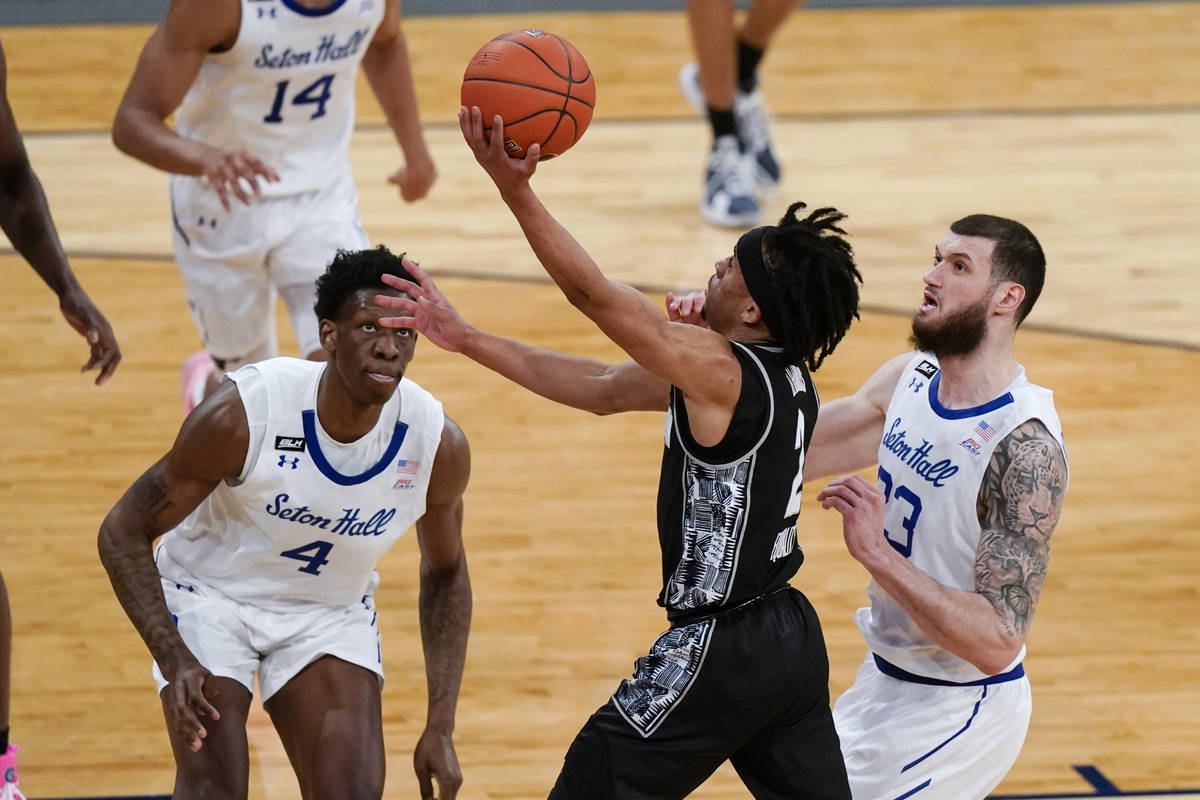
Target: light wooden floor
(1082, 121)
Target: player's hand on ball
(506, 172)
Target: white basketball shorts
(236, 640)
(234, 262)
(906, 740)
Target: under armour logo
(266, 12)
(916, 385)
(284, 461)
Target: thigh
(212, 627)
(947, 742)
(795, 755)
(221, 767)
(318, 225)
(329, 719)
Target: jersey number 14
(316, 93)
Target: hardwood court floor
(1080, 120)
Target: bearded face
(955, 333)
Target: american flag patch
(407, 466)
(985, 431)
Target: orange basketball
(540, 86)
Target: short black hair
(1017, 255)
(351, 270)
(811, 268)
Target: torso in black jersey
(727, 513)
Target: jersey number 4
(314, 555)
(316, 93)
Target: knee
(345, 779)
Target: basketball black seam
(570, 81)
(567, 94)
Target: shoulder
(203, 24)
(213, 440)
(451, 465)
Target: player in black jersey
(742, 673)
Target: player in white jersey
(955, 532)
(278, 497)
(262, 93)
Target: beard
(957, 334)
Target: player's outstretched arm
(574, 381)
(849, 429)
(25, 218)
(697, 360)
(210, 447)
(389, 72)
(169, 63)
(445, 611)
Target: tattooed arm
(1019, 504)
(211, 446)
(445, 611)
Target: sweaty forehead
(977, 249)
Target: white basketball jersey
(309, 517)
(285, 91)
(931, 465)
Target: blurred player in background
(722, 85)
(26, 221)
(262, 195)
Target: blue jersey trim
(310, 431)
(891, 670)
(962, 413)
(313, 12)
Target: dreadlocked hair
(351, 270)
(811, 268)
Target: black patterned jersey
(727, 513)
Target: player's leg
(221, 767)
(330, 721)
(795, 756)
(210, 626)
(948, 743)
(762, 20)
(728, 196)
(9, 779)
(323, 222)
(221, 257)
(321, 679)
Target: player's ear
(1009, 297)
(751, 314)
(328, 333)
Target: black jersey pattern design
(715, 499)
(662, 677)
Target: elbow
(995, 660)
(120, 134)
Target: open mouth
(928, 302)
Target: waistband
(702, 614)
(891, 670)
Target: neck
(343, 417)
(977, 377)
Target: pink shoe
(192, 380)
(8, 768)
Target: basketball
(540, 86)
